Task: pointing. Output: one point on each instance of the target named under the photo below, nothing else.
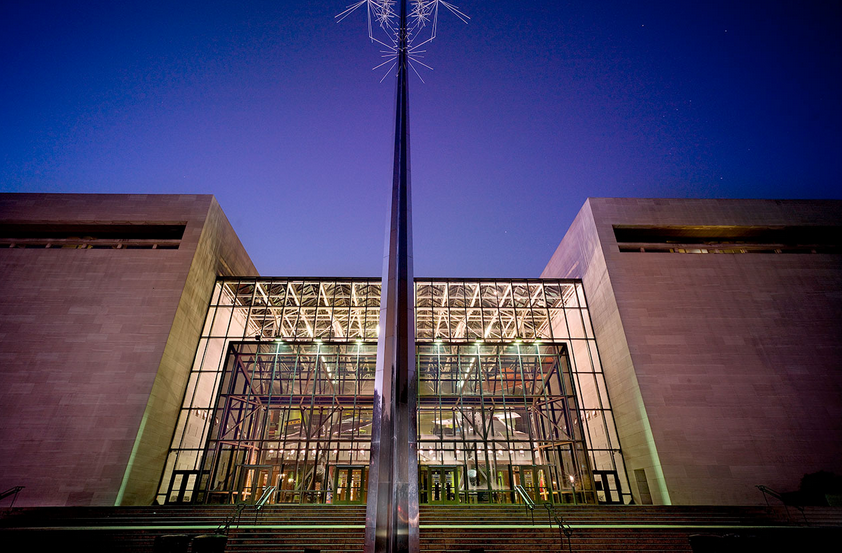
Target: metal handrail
(234, 518)
(526, 501)
(13, 490)
(525, 496)
(564, 529)
(267, 493)
(767, 491)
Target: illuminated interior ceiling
(458, 310)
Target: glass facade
(511, 393)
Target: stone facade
(96, 344)
(723, 369)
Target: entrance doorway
(254, 479)
(607, 485)
(535, 480)
(349, 484)
(182, 486)
(439, 484)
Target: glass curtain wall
(499, 416)
(281, 367)
(511, 393)
(292, 416)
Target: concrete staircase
(626, 528)
(286, 528)
(495, 528)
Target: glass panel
(568, 294)
(424, 323)
(587, 322)
(574, 323)
(559, 324)
(496, 366)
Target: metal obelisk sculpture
(391, 524)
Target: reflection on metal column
(392, 510)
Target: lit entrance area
(497, 422)
(253, 479)
(534, 481)
(292, 421)
(439, 484)
(349, 484)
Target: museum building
(672, 352)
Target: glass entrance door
(439, 484)
(182, 485)
(607, 485)
(349, 483)
(535, 480)
(253, 480)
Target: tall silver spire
(392, 513)
(392, 506)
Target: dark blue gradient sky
(531, 108)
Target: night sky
(532, 107)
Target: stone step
(203, 515)
(433, 540)
(823, 516)
(783, 540)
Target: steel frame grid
(237, 309)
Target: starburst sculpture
(384, 28)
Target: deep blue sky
(531, 108)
